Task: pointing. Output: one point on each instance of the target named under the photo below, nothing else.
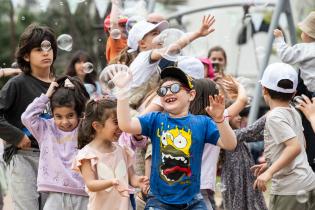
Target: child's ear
(192, 95)
(96, 125)
(26, 57)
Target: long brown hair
(79, 56)
(204, 88)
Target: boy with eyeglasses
(177, 136)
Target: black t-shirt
(15, 96)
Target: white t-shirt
(142, 68)
(282, 124)
(302, 54)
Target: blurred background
(83, 21)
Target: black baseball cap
(178, 74)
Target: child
(235, 175)
(57, 140)
(287, 164)
(301, 54)
(105, 166)
(76, 68)
(177, 137)
(36, 62)
(145, 67)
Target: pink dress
(108, 166)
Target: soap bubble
(80, 1)
(64, 42)
(168, 39)
(23, 18)
(302, 196)
(115, 33)
(61, 3)
(45, 45)
(132, 21)
(88, 67)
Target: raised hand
(119, 74)
(216, 108)
(207, 25)
(277, 33)
(51, 89)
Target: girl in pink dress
(106, 167)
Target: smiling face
(109, 130)
(177, 104)
(66, 119)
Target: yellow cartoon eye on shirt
(180, 142)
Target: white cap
(139, 30)
(276, 72)
(191, 66)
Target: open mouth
(174, 167)
(170, 100)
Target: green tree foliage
(83, 26)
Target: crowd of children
(73, 142)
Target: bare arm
(205, 29)
(125, 122)
(227, 139)
(291, 151)
(137, 181)
(90, 180)
(241, 99)
(252, 132)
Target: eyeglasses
(174, 88)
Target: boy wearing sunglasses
(177, 136)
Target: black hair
(204, 88)
(74, 97)
(96, 110)
(80, 56)
(31, 38)
(285, 84)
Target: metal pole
(291, 24)
(280, 6)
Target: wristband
(222, 119)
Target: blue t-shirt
(177, 146)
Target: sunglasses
(174, 88)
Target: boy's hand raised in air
(207, 25)
(51, 89)
(119, 77)
(277, 33)
(216, 108)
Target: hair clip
(69, 84)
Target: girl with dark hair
(35, 55)
(106, 167)
(77, 68)
(58, 142)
